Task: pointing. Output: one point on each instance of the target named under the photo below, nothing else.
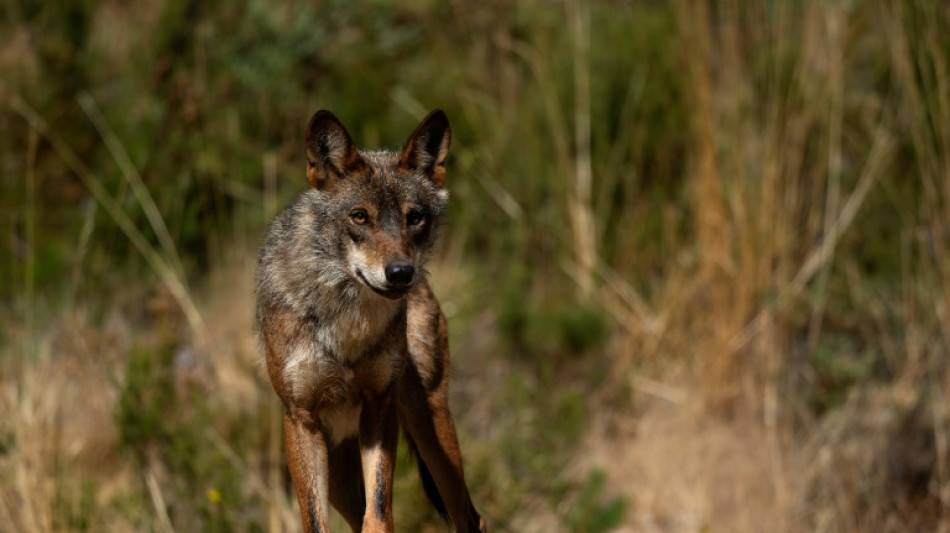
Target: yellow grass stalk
(162, 266)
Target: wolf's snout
(400, 273)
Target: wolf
(354, 340)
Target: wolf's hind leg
(347, 493)
(426, 419)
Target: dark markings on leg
(312, 513)
(380, 506)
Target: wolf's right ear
(428, 147)
(330, 151)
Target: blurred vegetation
(765, 228)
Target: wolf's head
(379, 210)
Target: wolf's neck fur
(358, 323)
(346, 318)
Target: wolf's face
(383, 209)
(386, 218)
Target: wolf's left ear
(428, 147)
(330, 151)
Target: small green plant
(541, 331)
(580, 328)
(7, 441)
(75, 505)
(593, 512)
(146, 400)
(837, 364)
(158, 421)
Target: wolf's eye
(359, 217)
(414, 218)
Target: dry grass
(728, 441)
(776, 355)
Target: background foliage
(696, 269)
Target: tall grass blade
(93, 183)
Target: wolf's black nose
(400, 273)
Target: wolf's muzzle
(400, 273)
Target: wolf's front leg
(379, 436)
(309, 469)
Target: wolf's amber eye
(414, 218)
(359, 217)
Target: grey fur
(302, 265)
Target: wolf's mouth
(387, 292)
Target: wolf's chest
(333, 368)
(335, 391)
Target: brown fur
(353, 337)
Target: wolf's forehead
(380, 158)
(388, 181)
(384, 170)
